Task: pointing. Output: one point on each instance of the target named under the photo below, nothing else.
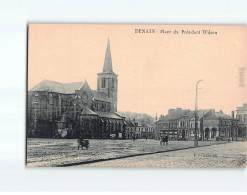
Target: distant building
(135, 128)
(148, 132)
(130, 129)
(219, 125)
(72, 109)
(242, 121)
(187, 124)
(179, 124)
(169, 125)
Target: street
(228, 155)
(64, 152)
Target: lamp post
(196, 140)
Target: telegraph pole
(156, 126)
(196, 124)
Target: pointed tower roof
(108, 62)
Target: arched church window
(103, 107)
(43, 102)
(103, 83)
(59, 100)
(85, 98)
(94, 106)
(112, 82)
(108, 108)
(50, 99)
(54, 101)
(35, 100)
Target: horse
(83, 143)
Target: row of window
(44, 114)
(110, 82)
(242, 117)
(35, 100)
(104, 107)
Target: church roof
(68, 88)
(87, 111)
(108, 115)
(101, 96)
(108, 61)
(52, 86)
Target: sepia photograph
(136, 96)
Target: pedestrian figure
(166, 140)
(134, 137)
(162, 140)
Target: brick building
(70, 109)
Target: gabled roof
(87, 111)
(218, 115)
(101, 96)
(190, 114)
(201, 113)
(176, 114)
(52, 86)
(120, 115)
(130, 123)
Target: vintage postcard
(136, 96)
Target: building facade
(139, 131)
(219, 125)
(179, 124)
(130, 129)
(242, 122)
(174, 124)
(148, 132)
(72, 109)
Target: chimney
(233, 114)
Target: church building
(72, 109)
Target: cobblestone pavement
(229, 155)
(59, 152)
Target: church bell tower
(107, 80)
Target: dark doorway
(240, 132)
(213, 133)
(207, 133)
(183, 134)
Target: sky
(156, 71)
